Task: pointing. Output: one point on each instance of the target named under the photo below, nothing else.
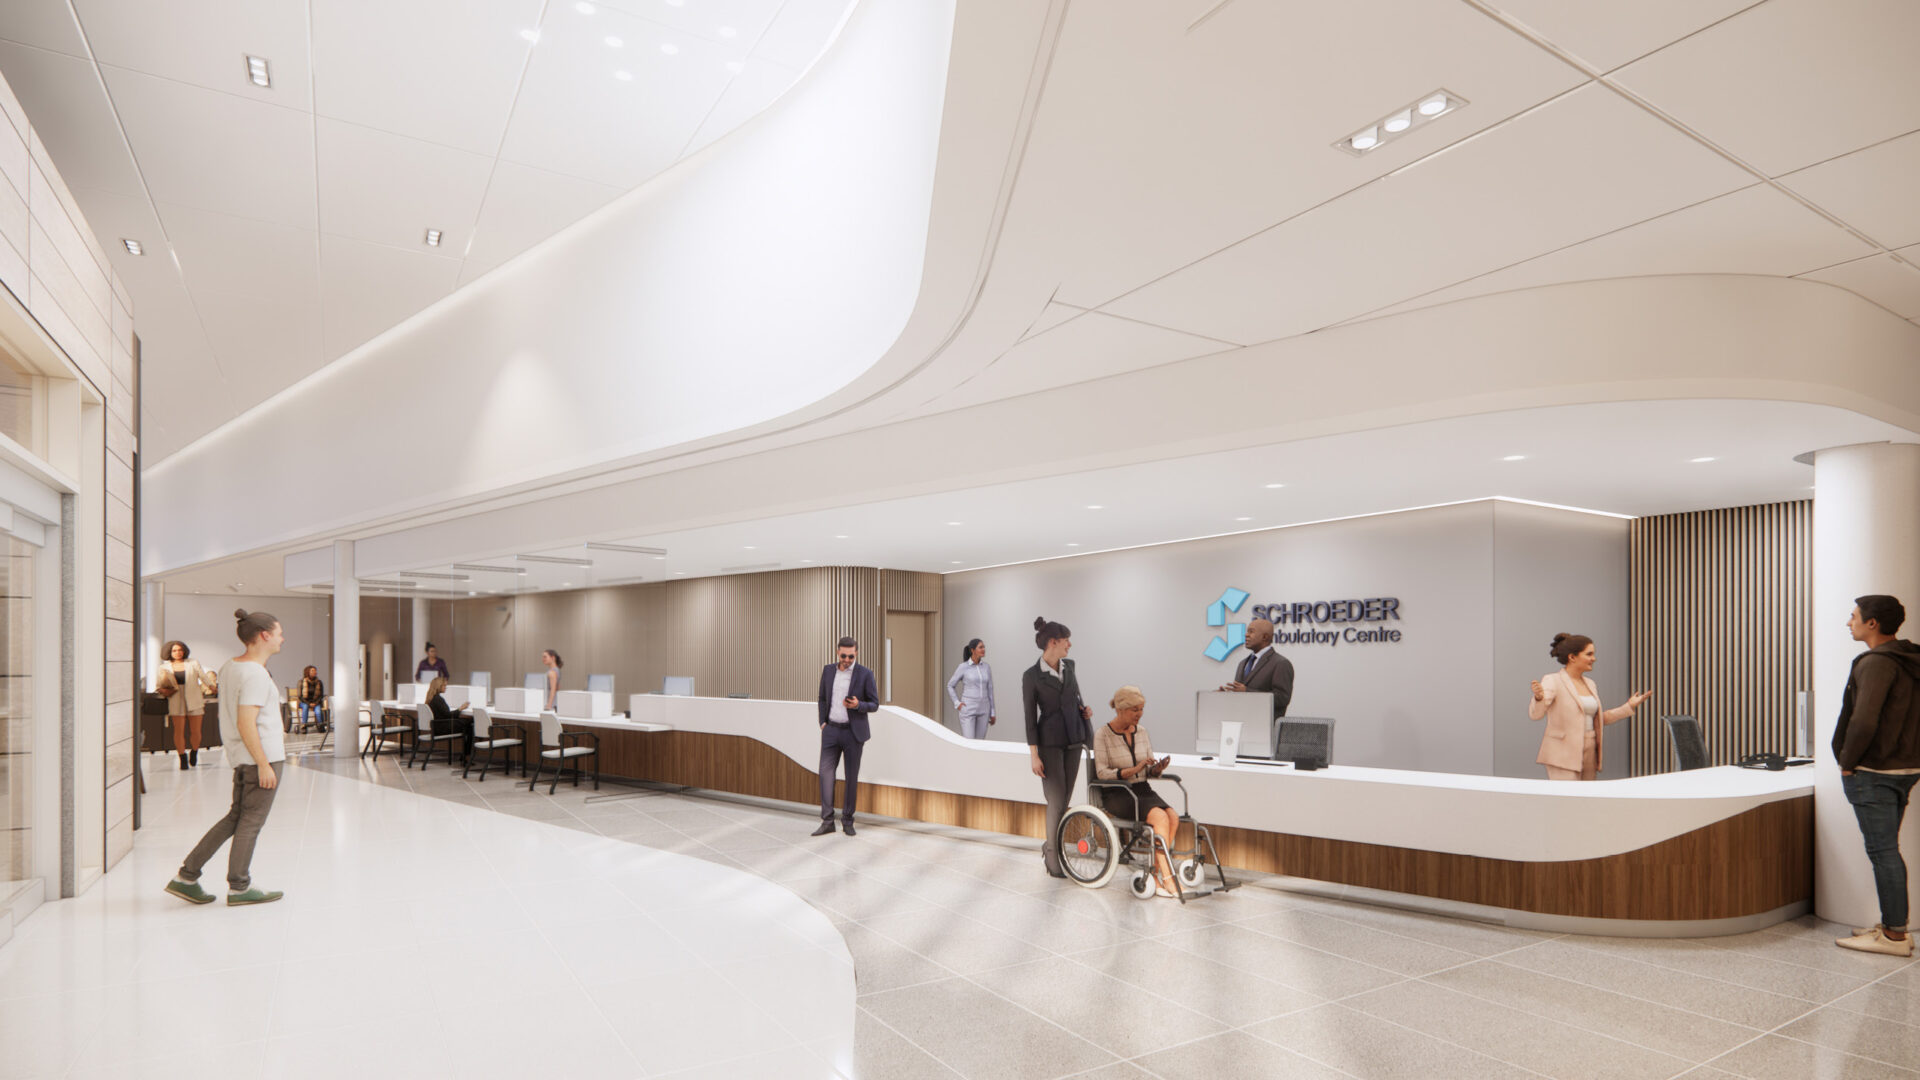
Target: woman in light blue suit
(971, 689)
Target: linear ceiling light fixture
(433, 576)
(257, 72)
(480, 568)
(556, 560)
(133, 247)
(382, 583)
(596, 545)
(1400, 121)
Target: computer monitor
(601, 683)
(481, 679)
(1307, 741)
(534, 681)
(1253, 711)
(677, 685)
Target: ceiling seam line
(493, 166)
(686, 147)
(153, 208)
(319, 234)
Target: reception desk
(1710, 851)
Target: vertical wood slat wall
(1720, 609)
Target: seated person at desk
(1122, 751)
(445, 719)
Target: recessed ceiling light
(584, 8)
(472, 593)
(1434, 105)
(955, 562)
(669, 48)
(566, 584)
(1366, 140)
(1274, 487)
(614, 42)
(840, 536)
(433, 237)
(806, 560)
(678, 573)
(1699, 460)
(530, 36)
(1243, 519)
(257, 73)
(1095, 506)
(676, 3)
(749, 547)
(1514, 457)
(736, 67)
(133, 247)
(623, 76)
(1073, 545)
(1398, 122)
(953, 523)
(728, 31)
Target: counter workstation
(1710, 851)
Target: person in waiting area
(848, 692)
(250, 728)
(1122, 751)
(553, 662)
(971, 689)
(432, 664)
(183, 682)
(445, 718)
(1056, 728)
(311, 696)
(1570, 704)
(1877, 746)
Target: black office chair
(1689, 747)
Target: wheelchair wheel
(1143, 886)
(1089, 846)
(1190, 872)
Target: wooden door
(909, 686)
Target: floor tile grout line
(1617, 993)
(1244, 1030)
(1715, 978)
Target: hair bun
(1040, 623)
(239, 613)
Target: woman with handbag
(183, 682)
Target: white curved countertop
(1489, 816)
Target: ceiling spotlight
(1399, 122)
(1514, 457)
(839, 536)
(1243, 519)
(735, 67)
(133, 247)
(257, 73)
(1073, 545)
(1699, 460)
(1273, 487)
(679, 573)
(530, 36)
(623, 76)
(470, 592)
(1366, 140)
(956, 562)
(1095, 506)
(614, 42)
(1434, 105)
(433, 237)
(659, 558)
(953, 523)
(728, 31)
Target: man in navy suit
(848, 693)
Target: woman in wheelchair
(1122, 751)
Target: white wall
(205, 623)
(1449, 697)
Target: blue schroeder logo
(1221, 647)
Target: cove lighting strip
(1400, 121)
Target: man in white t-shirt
(250, 731)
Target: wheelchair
(1093, 844)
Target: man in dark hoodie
(1877, 744)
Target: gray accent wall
(1482, 588)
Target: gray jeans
(1062, 766)
(251, 803)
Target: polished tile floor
(966, 961)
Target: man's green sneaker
(190, 891)
(251, 896)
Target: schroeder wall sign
(1301, 622)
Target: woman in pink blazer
(1570, 704)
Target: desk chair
(326, 718)
(423, 733)
(491, 737)
(1689, 745)
(560, 747)
(379, 728)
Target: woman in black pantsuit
(1057, 728)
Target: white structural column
(419, 638)
(346, 652)
(153, 621)
(1866, 539)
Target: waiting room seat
(560, 747)
(492, 738)
(423, 734)
(379, 729)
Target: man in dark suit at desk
(847, 694)
(1264, 671)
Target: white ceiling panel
(74, 117)
(737, 21)
(1051, 316)
(1169, 146)
(1883, 279)
(1757, 230)
(526, 205)
(1876, 190)
(43, 24)
(1585, 165)
(440, 70)
(1610, 34)
(1792, 82)
(759, 84)
(390, 189)
(113, 217)
(209, 49)
(802, 28)
(636, 126)
(1089, 347)
(367, 288)
(214, 151)
(229, 254)
(261, 345)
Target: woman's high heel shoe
(183, 761)
(193, 756)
